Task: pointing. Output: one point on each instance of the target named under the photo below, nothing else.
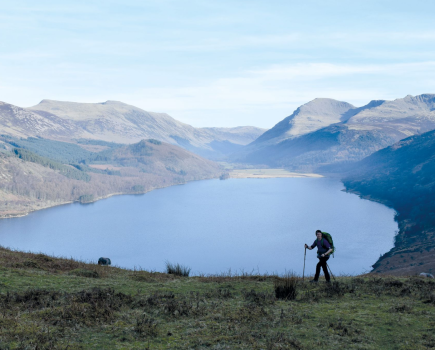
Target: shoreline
(236, 174)
(25, 213)
(268, 174)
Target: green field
(50, 303)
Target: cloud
(260, 97)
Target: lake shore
(33, 205)
(268, 174)
(215, 212)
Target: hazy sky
(216, 63)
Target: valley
(61, 152)
(166, 167)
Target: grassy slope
(50, 303)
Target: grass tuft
(177, 269)
(286, 287)
(145, 327)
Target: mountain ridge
(361, 132)
(115, 121)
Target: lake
(213, 226)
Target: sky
(216, 63)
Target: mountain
(402, 176)
(156, 158)
(352, 134)
(118, 122)
(411, 114)
(310, 117)
(17, 121)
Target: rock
(428, 275)
(104, 261)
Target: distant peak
(421, 96)
(374, 103)
(323, 105)
(325, 100)
(108, 102)
(320, 100)
(428, 99)
(46, 101)
(426, 96)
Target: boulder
(104, 261)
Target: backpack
(328, 237)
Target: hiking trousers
(322, 264)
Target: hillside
(52, 303)
(402, 176)
(115, 121)
(38, 173)
(342, 134)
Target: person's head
(319, 234)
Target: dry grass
(21, 260)
(63, 304)
(177, 269)
(286, 287)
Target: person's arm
(327, 245)
(327, 253)
(310, 247)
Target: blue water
(212, 226)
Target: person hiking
(323, 251)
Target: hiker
(323, 251)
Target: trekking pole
(330, 271)
(303, 273)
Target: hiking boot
(314, 281)
(328, 282)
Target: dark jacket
(322, 246)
